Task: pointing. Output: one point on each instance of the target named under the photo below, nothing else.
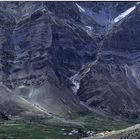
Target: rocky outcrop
(39, 52)
(112, 85)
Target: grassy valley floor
(60, 128)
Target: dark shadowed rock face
(41, 43)
(46, 48)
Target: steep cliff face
(37, 50)
(112, 85)
(56, 54)
(93, 17)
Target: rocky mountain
(69, 57)
(112, 84)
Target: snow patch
(89, 30)
(80, 8)
(22, 86)
(124, 14)
(75, 81)
(89, 27)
